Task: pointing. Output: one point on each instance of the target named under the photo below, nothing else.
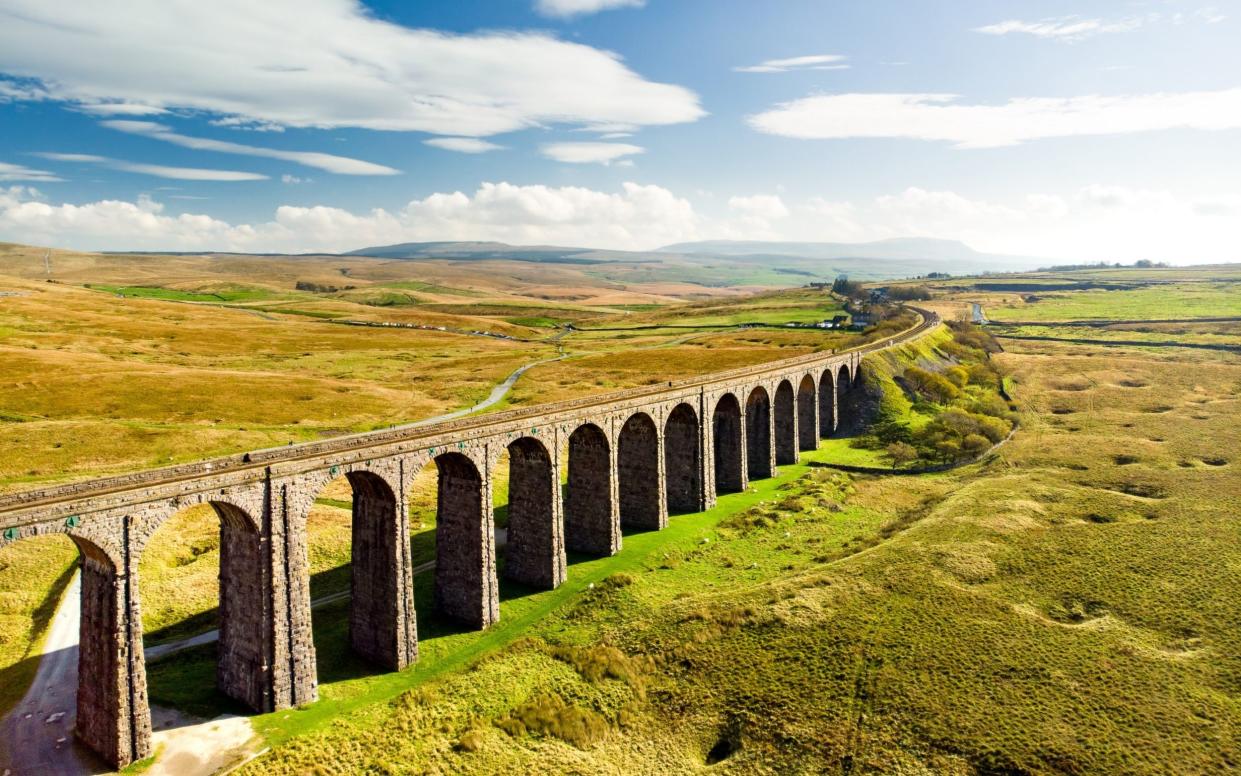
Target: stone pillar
(382, 621)
(591, 513)
(640, 469)
(706, 454)
(266, 656)
(113, 717)
(466, 588)
(535, 552)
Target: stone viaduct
(633, 458)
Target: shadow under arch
(786, 424)
(727, 443)
(638, 473)
(466, 588)
(827, 404)
(807, 422)
(758, 434)
(682, 464)
(534, 552)
(844, 382)
(591, 521)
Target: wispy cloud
(589, 153)
(342, 165)
(809, 62)
(1072, 29)
(1066, 28)
(119, 109)
(464, 145)
(940, 117)
(17, 172)
(157, 170)
(568, 8)
(328, 64)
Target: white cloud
(1066, 28)
(636, 216)
(157, 170)
(119, 109)
(293, 179)
(766, 206)
(465, 145)
(246, 125)
(811, 62)
(324, 64)
(1097, 222)
(341, 165)
(567, 8)
(18, 172)
(940, 117)
(589, 153)
(1073, 29)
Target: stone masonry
(632, 457)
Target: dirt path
(38, 733)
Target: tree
(900, 453)
(850, 288)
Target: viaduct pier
(633, 457)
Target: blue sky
(1097, 131)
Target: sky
(1074, 131)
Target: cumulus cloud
(636, 216)
(157, 170)
(941, 116)
(341, 165)
(589, 153)
(465, 145)
(1096, 222)
(18, 172)
(323, 63)
(810, 62)
(568, 8)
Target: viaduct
(633, 457)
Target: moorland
(1065, 603)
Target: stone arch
(244, 613)
(827, 404)
(111, 715)
(534, 553)
(807, 421)
(382, 623)
(728, 445)
(758, 434)
(683, 460)
(465, 573)
(638, 472)
(785, 411)
(591, 520)
(843, 383)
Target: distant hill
(901, 249)
(900, 257)
(495, 250)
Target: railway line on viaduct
(633, 457)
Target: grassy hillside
(1047, 611)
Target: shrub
(931, 386)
